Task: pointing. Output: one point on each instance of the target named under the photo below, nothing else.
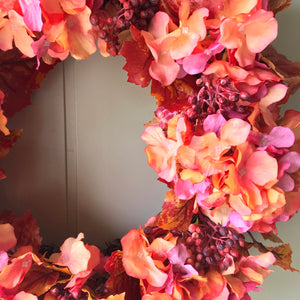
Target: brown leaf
(289, 71)
(39, 280)
(279, 5)
(272, 237)
(284, 257)
(176, 214)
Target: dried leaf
(7, 141)
(272, 237)
(119, 281)
(284, 257)
(174, 97)
(289, 71)
(18, 76)
(138, 59)
(38, 280)
(279, 5)
(176, 214)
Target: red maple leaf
(138, 59)
(18, 77)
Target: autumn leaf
(279, 5)
(25, 227)
(174, 97)
(119, 281)
(7, 141)
(283, 254)
(289, 71)
(272, 237)
(176, 214)
(138, 59)
(18, 77)
(38, 280)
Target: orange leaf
(272, 237)
(284, 257)
(176, 214)
(114, 263)
(173, 97)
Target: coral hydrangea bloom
(162, 151)
(168, 46)
(249, 35)
(191, 30)
(204, 152)
(13, 29)
(67, 23)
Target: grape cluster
(213, 247)
(61, 293)
(119, 17)
(220, 96)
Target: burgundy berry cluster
(219, 96)
(212, 246)
(61, 293)
(115, 16)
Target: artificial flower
(241, 33)
(13, 29)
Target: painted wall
(80, 166)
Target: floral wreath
(217, 141)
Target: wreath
(218, 141)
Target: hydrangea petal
(235, 131)
(3, 259)
(286, 183)
(25, 296)
(159, 25)
(32, 14)
(74, 255)
(236, 7)
(7, 237)
(196, 23)
(275, 93)
(137, 262)
(14, 273)
(281, 137)
(184, 45)
(294, 159)
(214, 123)
(261, 168)
(260, 30)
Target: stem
(264, 248)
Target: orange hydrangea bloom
(67, 23)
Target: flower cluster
(218, 141)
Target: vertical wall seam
(70, 117)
